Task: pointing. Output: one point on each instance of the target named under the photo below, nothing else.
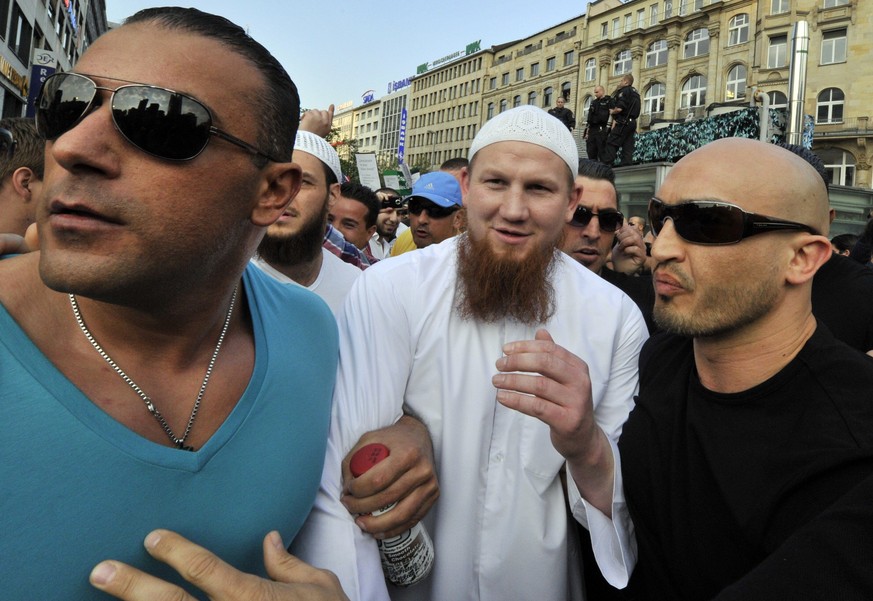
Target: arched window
(565, 90)
(591, 69)
(503, 105)
(736, 83)
(586, 104)
(622, 63)
(829, 108)
(656, 54)
(490, 110)
(653, 98)
(547, 96)
(697, 43)
(516, 100)
(840, 166)
(693, 92)
(738, 29)
(778, 100)
(532, 98)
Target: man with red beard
(521, 363)
(292, 249)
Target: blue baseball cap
(439, 187)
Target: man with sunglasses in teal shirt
(753, 425)
(145, 368)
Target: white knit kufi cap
(318, 147)
(529, 124)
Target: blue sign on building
(401, 143)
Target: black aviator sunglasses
(161, 122)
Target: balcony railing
(852, 126)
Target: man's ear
(22, 180)
(810, 253)
(278, 187)
(465, 184)
(333, 194)
(575, 195)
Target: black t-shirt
(842, 299)
(717, 482)
(639, 288)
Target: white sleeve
(371, 380)
(612, 540)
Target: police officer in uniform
(598, 124)
(624, 123)
(564, 114)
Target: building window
(519, 74)
(503, 105)
(656, 54)
(778, 100)
(653, 98)
(833, 3)
(840, 166)
(565, 90)
(551, 63)
(516, 100)
(590, 69)
(20, 33)
(568, 58)
(641, 18)
(738, 30)
(653, 15)
(693, 92)
(547, 96)
(833, 47)
(628, 23)
(532, 98)
(736, 83)
(586, 104)
(492, 83)
(777, 7)
(490, 110)
(668, 9)
(829, 108)
(534, 69)
(505, 80)
(697, 43)
(604, 31)
(616, 27)
(622, 63)
(777, 52)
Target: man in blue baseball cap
(435, 210)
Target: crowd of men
(181, 406)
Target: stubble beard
(295, 249)
(492, 287)
(723, 309)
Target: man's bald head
(763, 178)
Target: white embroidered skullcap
(529, 124)
(321, 149)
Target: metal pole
(797, 80)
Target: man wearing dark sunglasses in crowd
(434, 210)
(519, 361)
(597, 233)
(389, 224)
(161, 175)
(21, 171)
(747, 458)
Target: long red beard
(492, 287)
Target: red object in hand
(366, 457)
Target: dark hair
(29, 148)
(329, 175)
(276, 107)
(364, 195)
(810, 157)
(596, 170)
(454, 164)
(844, 242)
(388, 191)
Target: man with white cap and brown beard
(521, 363)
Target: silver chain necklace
(178, 442)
